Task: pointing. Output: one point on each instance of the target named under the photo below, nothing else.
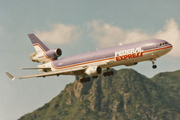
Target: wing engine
(93, 71)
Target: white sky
(76, 27)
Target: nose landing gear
(154, 66)
(153, 62)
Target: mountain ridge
(126, 95)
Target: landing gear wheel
(111, 73)
(81, 80)
(88, 79)
(108, 73)
(154, 66)
(85, 79)
(94, 77)
(153, 62)
(105, 74)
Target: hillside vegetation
(127, 95)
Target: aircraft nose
(171, 46)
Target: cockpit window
(161, 44)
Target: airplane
(91, 63)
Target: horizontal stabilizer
(34, 68)
(10, 76)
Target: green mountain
(127, 95)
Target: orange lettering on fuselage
(128, 54)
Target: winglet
(10, 76)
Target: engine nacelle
(93, 71)
(47, 56)
(53, 54)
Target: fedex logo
(128, 54)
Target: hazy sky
(76, 26)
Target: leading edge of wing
(34, 68)
(33, 75)
(41, 74)
(52, 73)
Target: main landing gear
(82, 80)
(85, 79)
(153, 62)
(94, 77)
(108, 73)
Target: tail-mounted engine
(47, 56)
(54, 54)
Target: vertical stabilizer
(37, 43)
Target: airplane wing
(51, 73)
(75, 71)
(34, 68)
